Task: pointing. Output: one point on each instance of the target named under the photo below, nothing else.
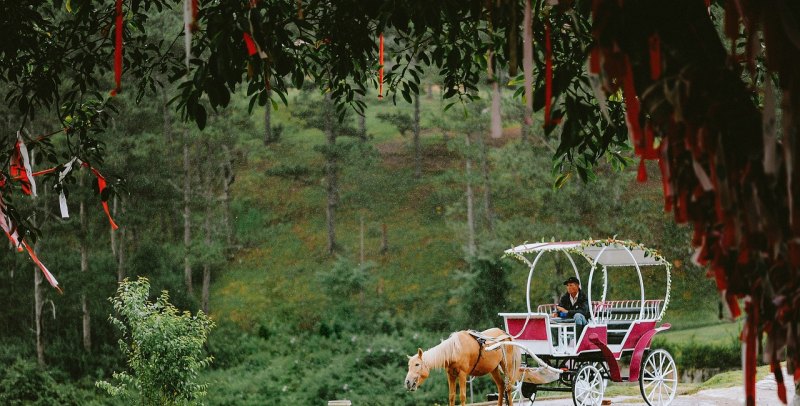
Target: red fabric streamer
(655, 57)
(631, 106)
(750, 333)
(641, 176)
(50, 278)
(118, 51)
(380, 67)
(45, 172)
(101, 185)
(548, 75)
(776, 369)
(18, 172)
(193, 25)
(594, 61)
(251, 45)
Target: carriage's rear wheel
(588, 387)
(659, 378)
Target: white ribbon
(26, 162)
(62, 198)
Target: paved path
(766, 395)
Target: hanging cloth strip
(380, 66)
(548, 75)
(21, 167)
(527, 61)
(101, 185)
(118, 50)
(11, 232)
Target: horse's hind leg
(501, 387)
(451, 386)
(462, 383)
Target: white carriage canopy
(614, 254)
(601, 254)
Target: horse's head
(417, 371)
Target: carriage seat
(619, 315)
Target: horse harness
(482, 339)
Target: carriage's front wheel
(524, 394)
(588, 387)
(659, 378)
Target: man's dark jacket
(581, 305)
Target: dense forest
(242, 211)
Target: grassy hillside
(281, 221)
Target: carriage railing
(617, 310)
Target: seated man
(574, 304)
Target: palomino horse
(463, 354)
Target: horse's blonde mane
(438, 356)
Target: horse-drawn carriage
(618, 334)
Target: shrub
(164, 348)
(694, 355)
(25, 383)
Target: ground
(766, 393)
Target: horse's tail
(513, 362)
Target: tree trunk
(38, 294)
(187, 213)
(384, 239)
(87, 321)
(361, 242)
(121, 247)
(417, 149)
(487, 187)
(111, 233)
(362, 124)
(38, 303)
(430, 91)
(268, 119)
(331, 186)
(497, 119)
(207, 240)
(471, 246)
(227, 181)
(166, 117)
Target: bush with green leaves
(696, 355)
(25, 383)
(163, 347)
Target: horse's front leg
(501, 387)
(451, 387)
(462, 383)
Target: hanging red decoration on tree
(380, 66)
(118, 50)
(548, 75)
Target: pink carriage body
(615, 329)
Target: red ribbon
(776, 369)
(548, 74)
(18, 172)
(118, 51)
(50, 278)
(655, 57)
(594, 60)
(251, 45)
(750, 330)
(101, 185)
(632, 107)
(380, 67)
(641, 176)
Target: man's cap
(572, 279)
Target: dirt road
(766, 395)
